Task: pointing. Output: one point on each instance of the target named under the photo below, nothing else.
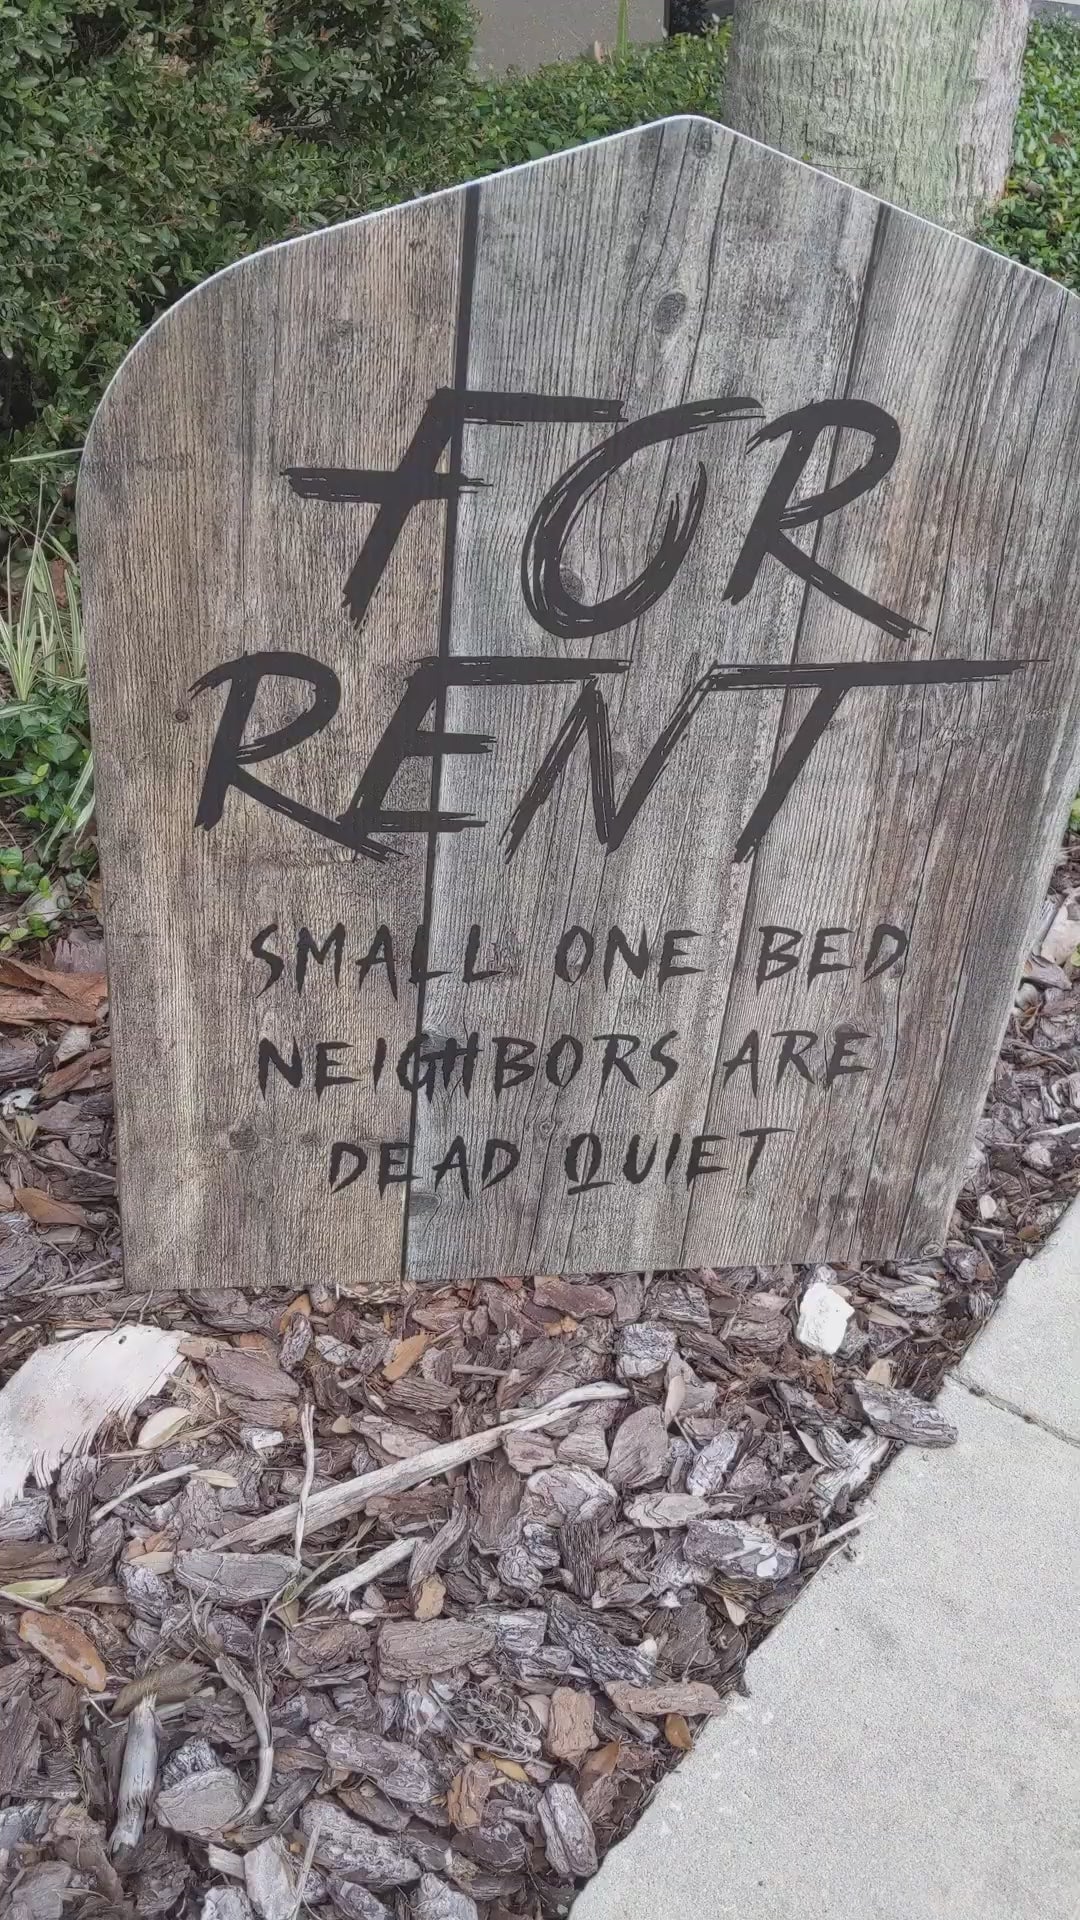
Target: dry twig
(337, 1503)
(260, 1720)
(137, 1775)
(307, 1431)
(336, 1592)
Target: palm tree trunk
(914, 100)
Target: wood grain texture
(653, 286)
(676, 266)
(196, 551)
(921, 809)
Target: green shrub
(46, 767)
(501, 123)
(1038, 220)
(142, 148)
(338, 72)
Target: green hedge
(143, 147)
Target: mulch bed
(201, 1712)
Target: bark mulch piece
(260, 1653)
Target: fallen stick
(336, 1591)
(840, 1533)
(138, 1774)
(307, 1429)
(338, 1503)
(260, 1720)
(141, 1486)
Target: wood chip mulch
(261, 1654)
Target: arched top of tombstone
(584, 689)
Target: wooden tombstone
(585, 695)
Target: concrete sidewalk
(911, 1746)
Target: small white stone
(72, 1042)
(823, 1318)
(261, 1439)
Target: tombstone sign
(585, 693)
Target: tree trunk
(912, 99)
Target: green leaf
(59, 747)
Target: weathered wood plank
(650, 291)
(912, 812)
(197, 551)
